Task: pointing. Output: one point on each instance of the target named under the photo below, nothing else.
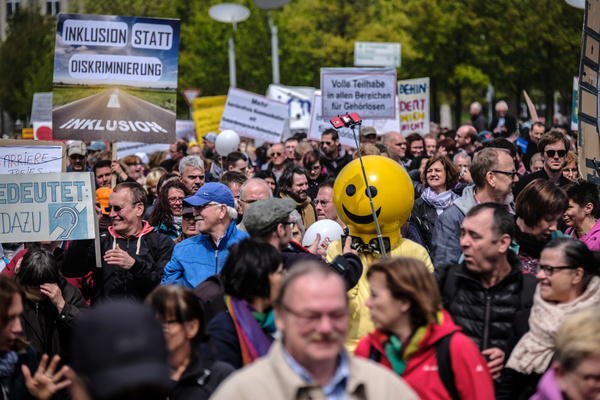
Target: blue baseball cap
(212, 191)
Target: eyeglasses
(291, 224)
(511, 174)
(312, 319)
(77, 157)
(175, 199)
(248, 201)
(322, 202)
(276, 154)
(117, 208)
(551, 153)
(548, 270)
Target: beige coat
(272, 378)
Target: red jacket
(472, 375)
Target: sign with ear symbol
(392, 192)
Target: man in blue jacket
(201, 256)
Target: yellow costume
(393, 196)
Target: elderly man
(278, 159)
(503, 124)
(324, 203)
(293, 184)
(554, 147)
(477, 118)
(203, 255)
(188, 225)
(191, 171)
(310, 361)
(485, 292)
(494, 175)
(251, 191)
(463, 162)
(133, 253)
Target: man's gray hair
(297, 219)
(501, 103)
(192, 161)
(476, 105)
(232, 212)
(461, 154)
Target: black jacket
(541, 174)
(423, 218)
(486, 315)
(46, 329)
(112, 281)
(200, 379)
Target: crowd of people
(482, 282)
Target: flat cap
(262, 216)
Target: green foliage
(26, 61)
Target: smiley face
(391, 190)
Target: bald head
(252, 190)
(396, 145)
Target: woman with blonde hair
(415, 336)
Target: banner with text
(115, 78)
(42, 207)
(27, 157)
(254, 116)
(413, 102)
(299, 100)
(370, 92)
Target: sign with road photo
(41, 207)
(115, 78)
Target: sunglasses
(116, 208)
(77, 157)
(551, 153)
(276, 154)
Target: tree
(26, 61)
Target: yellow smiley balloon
(393, 197)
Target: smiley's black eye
(373, 191)
(351, 190)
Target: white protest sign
(370, 92)
(28, 157)
(254, 116)
(413, 101)
(318, 125)
(298, 98)
(127, 149)
(41, 109)
(41, 207)
(115, 78)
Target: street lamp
(577, 3)
(232, 14)
(271, 5)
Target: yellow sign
(201, 103)
(27, 133)
(207, 120)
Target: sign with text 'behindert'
(254, 116)
(370, 92)
(42, 207)
(413, 103)
(115, 78)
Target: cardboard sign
(413, 102)
(370, 92)
(41, 207)
(27, 157)
(207, 120)
(254, 116)
(200, 103)
(115, 78)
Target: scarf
(306, 209)
(8, 361)
(398, 355)
(439, 201)
(253, 341)
(535, 350)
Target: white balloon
(329, 230)
(227, 141)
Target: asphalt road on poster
(112, 105)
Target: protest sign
(370, 92)
(27, 157)
(184, 128)
(42, 130)
(41, 108)
(574, 105)
(207, 120)
(299, 100)
(115, 78)
(127, 149)
(201, 103)
(41, 207)
(413, 103)
(254, 116)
